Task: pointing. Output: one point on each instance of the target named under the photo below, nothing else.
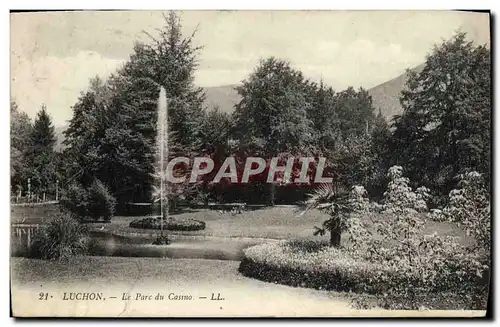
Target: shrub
(401, 266)
(469, 206)
(358, 199)
(397, 280)
(327, 268)
(174, 224)
(425, 263)
(305, 245)
(102, 203)
(93, 203)
(61, 238)
(76, 200)
(400, 196)
(436, 215)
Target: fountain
(160, 188)
(162, 144)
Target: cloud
(56, 82)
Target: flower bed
(301, 263)
(327, 268)
(174, 224)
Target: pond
(191, 248)
(216, 248)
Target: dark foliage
(444, 130)
(161, 240)
(63, 236)
(112, 135)
(41, 163)
(174, 224)
(89, 204)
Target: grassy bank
(272, 223)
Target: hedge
(174, 224)
(328, 268)
(315, 265)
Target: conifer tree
(40, 154)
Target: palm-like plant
(332, 199)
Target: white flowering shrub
(354, 228)
(400, 197)
(431, 263)
(436, 215)
(399, 264)
(376, 207)
(358, 199)
(469, 206)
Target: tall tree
(271, 118)
(40, 154)
(355, 112)
(215, 133)
(324, 114)
(380, 134)
(169, 60)
(445, 127)
(113, 129)
(273, 110)
(20, 131)
(347, 124)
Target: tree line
(444, 129)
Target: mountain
(385, 97)
(224, 96)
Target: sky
(53, 55)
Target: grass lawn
(274, 223)
(280, 222)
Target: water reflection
(103, 244)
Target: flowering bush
(469, 206)
(429, 263)
(400, 196)
(437, 215)
(394, 260)
(358, 199)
